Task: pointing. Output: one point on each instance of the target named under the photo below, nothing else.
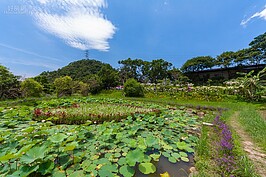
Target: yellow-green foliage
(63, 85)
(31, 88)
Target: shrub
(31, 88)
(133, 89)
(63, 86)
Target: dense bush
(63, 86)
(133, 89)
(31, 88)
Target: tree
(94, 82)
(131, 68)
(252, 87)
(63, 86)
(9, 84)
(77, 70)
(48, 87)
(108, 76)
(80, 88)
(31, 88)
(198, 64)
(258, 45)
(226, 59)
(158, 70)
(132, 88)
(242, 57)
(176, 76)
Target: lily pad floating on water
(134, 156)
(147, 168)
(127, 171)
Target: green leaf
(122, 161)
(7, 157)
(105, 173)
(29, 129)
(127, 171)
(185, 159)
(147, 168)
(134, 156)
(172, 159)
(86, 163)
(151, 141)
(183, 154)
(59, 137)
(155, 157)
(25, 171)
(184, 146)
(58, 173)
(77, 174)
(71, 146)
(46, 167)
(165, 154)
(110, 167)
(176, 155)
(34, 154)
(166, 146)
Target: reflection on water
(179, 169)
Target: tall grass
(254, 125)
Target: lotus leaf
(57, 138)
(165, 154)
(46, 167)
(25, 171)
(33, 154)
(122, 161)
(71, 146)
(155, 157)
(147, 168)
(172, 159)
(77, 173)
(127, 171)
(151, 141)
(134, 156)
(185, 159)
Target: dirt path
(254, 153)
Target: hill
(76, 70)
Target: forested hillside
(77, 70)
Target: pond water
(179, 169)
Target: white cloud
(80, 23)
(261, 14)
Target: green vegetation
(133, 89)
(42, 148)
(158, 115)
(9, 84)
(63, 86)
(31, 88)
(254, 125)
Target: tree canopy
(198, 64)
(76, 70)
(9, 84)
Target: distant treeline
(97, 75)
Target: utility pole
(87, 54)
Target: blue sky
(44, 35)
